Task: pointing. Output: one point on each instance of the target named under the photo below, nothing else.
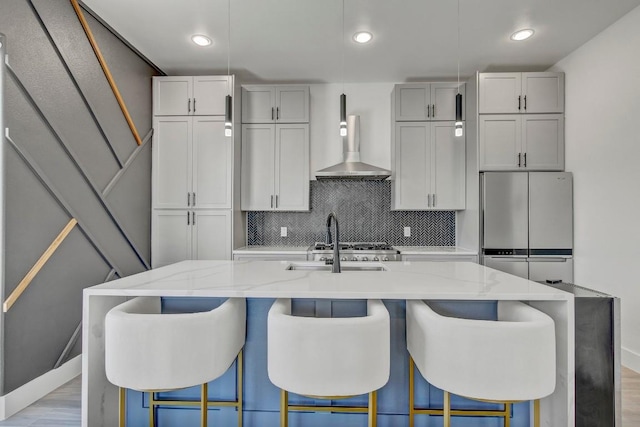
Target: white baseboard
(630, 359)
(15, 401)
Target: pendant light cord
(458, 46)
(229, 46)
(343, 47)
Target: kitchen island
(473, 288)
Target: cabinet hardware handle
(272, 202)
(429, 200)
(525, 106)
(525, 160)
(271, 113)
(194, 105)
(277, 118)
(188, 220)
(519, 162)
(428, 110)
(194, 196)
(276, 201)
(193, 218)
(433, 111)
(434, 200)
(188, 199)
(189, 105)
(519, 102)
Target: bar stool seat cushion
(511, 359)
(149, 351)
(328, 356)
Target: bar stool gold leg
(204, 397)
(507, 415)
(239, 384)
(411, 392)
(152, 412)
(373, 409)
(447, 409)
(536, 413)
(122, 396)
(284, 408)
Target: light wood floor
(62, 407)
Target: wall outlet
(283, 231)
(407, 232)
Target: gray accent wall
(364, 213)
(69, 154)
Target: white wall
(603, 152)
(372, 101)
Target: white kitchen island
(261, 281)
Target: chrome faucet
(336, 245)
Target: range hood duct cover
(352, 167)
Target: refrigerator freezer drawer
(516, 266)
(551, 269)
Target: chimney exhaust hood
(352, 167)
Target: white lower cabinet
(275, 167)
(429, 165)
(521, 142)
(180, 235)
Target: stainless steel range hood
(352, 167)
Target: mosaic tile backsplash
(364, 212)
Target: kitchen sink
(345, 266)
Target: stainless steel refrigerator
(527, 224)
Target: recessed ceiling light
(201, 40)
(522, 35)
(362, 37)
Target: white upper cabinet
(190, 96)
(192, 161)
(521, 93)
(426, 101)
(528, 142)
(429, 165)
(275, 104)
(275, 167)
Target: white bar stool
(151, 352)
(328, 358)
(509, 360)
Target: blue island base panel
(262, 398)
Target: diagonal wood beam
(26, 281)
(105, 69)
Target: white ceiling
(300, 40)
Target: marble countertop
(270, 279)
(269, 250)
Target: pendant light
(228, 105)
(343, 97)
(458, 126)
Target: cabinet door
(500, 93)
(171, 162)
(212, 164)
(211, 235)
(258, 104)
(500, 142)
(172, 96)
(258, 167)
(292, 104)
(209, 93)
(448, 169)
(543, 92)
(292, 168)
(443, 100)
(412, 101)
(171, 239)
(412, 166)
(543, 141)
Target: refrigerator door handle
(556, 259)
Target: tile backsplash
(364, 212)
